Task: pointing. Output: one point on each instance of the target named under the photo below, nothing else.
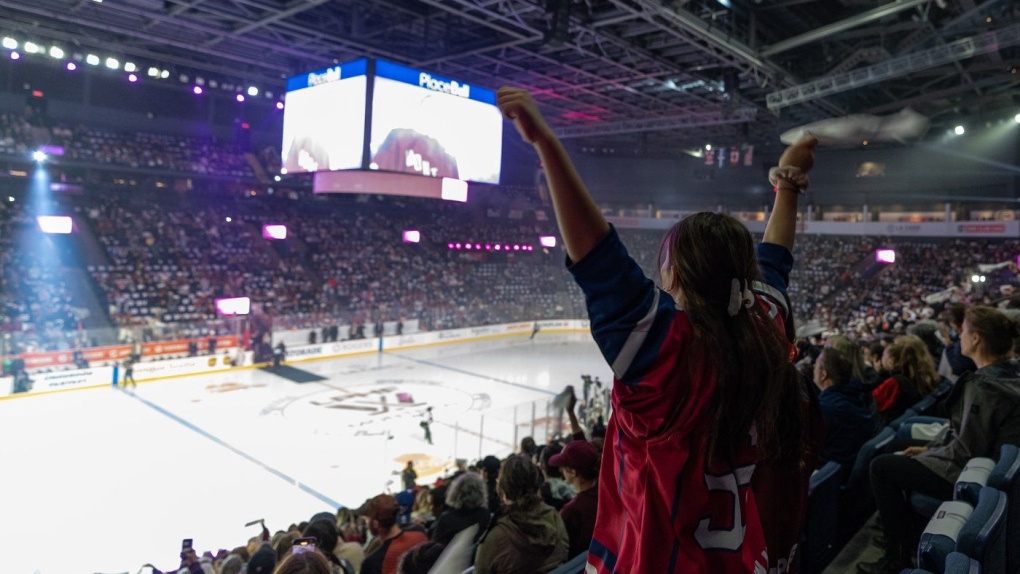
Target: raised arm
(580, 220)
(790, 180)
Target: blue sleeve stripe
(629, 350)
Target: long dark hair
(914, 363)
(757, 384)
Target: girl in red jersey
(706, 457)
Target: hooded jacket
(984, 413)
(529, 540)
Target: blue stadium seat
(956, 563)
(973, 478)
(573, 566)
(821, 527)
(940, 536)
(923, 505)
(869, 450)
(909, 413)
(924, 405)
(1005, 477)
(983, 537)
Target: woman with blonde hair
(912, 377)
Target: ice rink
(105, 480)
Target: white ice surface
(104, 481)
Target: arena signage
(452, 87)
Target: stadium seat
(973, 478)
(871, 449)
(573, 566)
(1005, 477)
(924, 405)
(907, 414)
(821, 527)
(983, 537)
(956, 563)
(920, 427)
(940, 536)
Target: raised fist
(801, 154)
(518, 107)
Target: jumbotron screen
(324, 120)
(433, 126)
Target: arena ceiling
(641, 73)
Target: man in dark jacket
(849, 422)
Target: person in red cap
(579, 462)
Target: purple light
(197, 90)
(412, 236)
(132, 78)
(274, 231)
(497, 248)
(71, 66)
(885, 256)
(279, 105)
(467, 246)
(458, 246)
(449, 246)
(517, 247)
(240, 97)
(233, 306)
(454, 190)
(488, 247)
(479, 246)
(15, 56)
(547, 240)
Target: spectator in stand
(490, 472)
(703, 384)
(323, 529)
(911, 376)
(528, 536)
(528, 447)
(394, 542)
(304, 563)
(954, 363)
(421, 558)
(849, 422)
(409, 476)
(864, 375)
(466, 504)
(984, 414)
(556, 491)
(263, 561)
(579, 462)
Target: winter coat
(529, 540)
(454, 520)
(984, 414)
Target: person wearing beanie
(528, 537)
(263, 561)
(579, 462)
(381, 512)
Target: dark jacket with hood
(984, 413)
(530, 540)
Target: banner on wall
(117, 353)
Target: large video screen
(324, 119)
(434, 126)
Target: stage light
(112, 63)
(274, 231)
(277, 178)
(1016, 118)
(71, 66)
(233, 306)
(958, 130)
(153, 72)
(414, 236)
(132, 78)
(454, 190)
(164, 74)
(279, 106)
(10, 43)
(201, 81)
(15, 56)
(974, 278)
(708, 147)
(885, 256)
(130, 67)
(457, 245)
(55, 224)
(449, 246)
(39, 156)
(57, 53)
(92, 60)
(197, 90)
(283, 170)
(31, 47)
(517, 247)
(547, 240)
(228, 219)
(467, 246)
(983, 278)
(498, 247)
(253, 91)
(240, 97)
(479, 246)
(10, 198)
